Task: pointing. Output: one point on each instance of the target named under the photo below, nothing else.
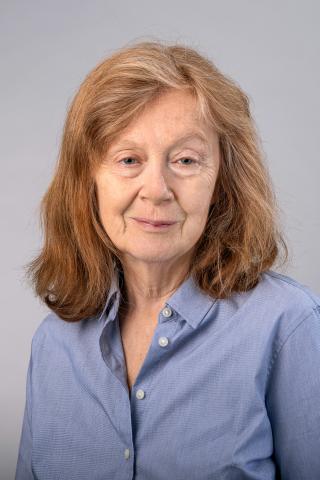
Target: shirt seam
(293, 283)
(276, 354)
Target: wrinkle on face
(164, 165)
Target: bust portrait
(172, 350)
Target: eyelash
(183, 158)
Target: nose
(156, 182)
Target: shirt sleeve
(293, 402)
(23, 468)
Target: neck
(147, 286)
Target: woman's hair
(241, 239)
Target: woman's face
(159, 169)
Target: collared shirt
(229, 390)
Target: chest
(203, 410)
(136, 337)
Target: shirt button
(126, 453)
(167, 312)
(140, 394)
(163, 341)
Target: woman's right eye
(127, 158)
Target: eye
(127, 158)
(192, 162)
(187, 164)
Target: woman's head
(163, 167)
(152, 94)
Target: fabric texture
(229, 390)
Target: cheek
(112, 197)
(197, 209)
(197, 200)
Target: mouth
(154, 226)
(156, 223)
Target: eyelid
(190, 157)
(200, 153)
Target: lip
(155, 223)
(151, 227)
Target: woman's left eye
(188, 158)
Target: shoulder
(55, 332)
(293, 385)
(284, 284)
(285, 301)
(288, 293)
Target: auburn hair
(72, 273)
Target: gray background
(270, 48)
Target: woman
(172, 351)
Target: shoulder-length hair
(241, 239)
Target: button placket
(163, 341)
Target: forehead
(196, 136)
(172, 117)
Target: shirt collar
(188, 300)
(113, 294)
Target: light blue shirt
(229, 390)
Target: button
(126, 453)
(140, 394)
(163, 341)
(167, 312)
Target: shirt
(229, 390)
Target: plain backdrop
(270, 48)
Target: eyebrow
(189, 136)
